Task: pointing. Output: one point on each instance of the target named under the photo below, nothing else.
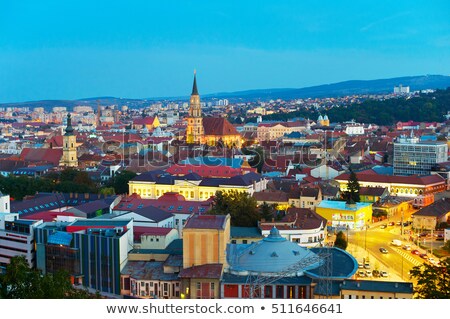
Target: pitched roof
(372, 191)
(365, 176)
(218, 126)
(245, 232)
(49, 155)
(206, 222)
(148, 120)
(153, 213)
(309, 192)
(209, 271)
(438, 209)
(271, 196)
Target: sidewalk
(360, 254)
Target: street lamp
(365, 239)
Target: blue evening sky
(135, 48)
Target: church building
(69, 157)
(208, 130)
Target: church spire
(69, 128)
(194, 86)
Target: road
(396, 260)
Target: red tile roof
(207, 171)
(49, 155)
(218, 126)
(47, 216)
(144, 121)
(56, 141)
(378, 178)
(208, 271)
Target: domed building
(277, 268)
(323, 120)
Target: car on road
(384, 273)
(383, 226)
(361, 273)
(391, 224)
(398, 223)
(396, 242)
(407, 247)
(415, 252)
(432, 261)
(424, 256)
(383, 250)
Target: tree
(267, 211)
(341, 241)
(258, 159)
(21, 282)
(446, 246)
(352, 188)
(433, 282)
(120, 181)
(240, 205)
(107, 191)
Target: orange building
(205, 239)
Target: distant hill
(427, 107)
(343, 88)
(325, 90)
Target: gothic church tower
(195, 132)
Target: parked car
(361, 273)
(376, 273)
(383, 250)
(415, 252)
(366, 265)
(368, 273)
(384, 273)
(360, 264)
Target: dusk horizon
(53, 50)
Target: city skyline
(146, 49)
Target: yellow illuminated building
(69, 157)
(342, 215)
(149, 186)
(208, 130)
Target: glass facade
(418, 158)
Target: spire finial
(69, 128)
(194, 86)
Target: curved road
(397, 259)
